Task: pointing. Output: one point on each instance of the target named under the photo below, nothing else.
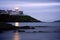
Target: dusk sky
(44, 10)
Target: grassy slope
(17, 18)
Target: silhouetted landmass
(25, 27)
(6, 27)
(17, 18)
(14, 18)
(57, 21)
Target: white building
(16, 12)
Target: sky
(44, 10)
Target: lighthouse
(17, 9)
(15, 12)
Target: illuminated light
(17, 8)
(17, 24)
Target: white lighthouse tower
(17, 9)
(16, 12)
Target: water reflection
(16, 36)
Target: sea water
(50, 35)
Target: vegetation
(17, 18)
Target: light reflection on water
(29, 36)
(16, 36)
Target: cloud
(39, 4)
(33, 0)
(30, 4)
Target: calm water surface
(10, 35)
(29, 36)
